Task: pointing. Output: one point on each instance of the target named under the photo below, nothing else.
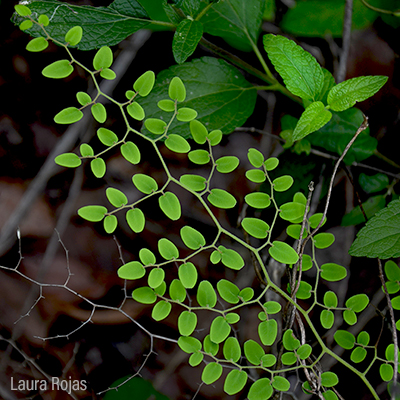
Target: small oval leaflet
(98, 167)
(44, 20)
(235, 381)
(186, 114)
(255, 157)
(144, 183)
(200, 157)
(144, 84)
(330, 299)
(228, 291)
(74, 35)
(69, 160)
(147, 257)
(209, 346)
(22, 10)
(83, 98)
(219, 330)
(116, 197)
(231, 349)
(261, 389)
(99, 112)
(206, 296)
(211, 373)
(135, 219)
(86, 150)
(37, 44)
(92, 213)
(358, 302)
(176, 90)
(166, 105)
(176, 291)
(195, 359)
(103, 58)
(221, 199)
(267, 331)
(282, 183)
(350, 317)
(227, 164)
(160, 290)
(155, 125)
(199, 131)
(289, 342)
(215, 137)
(170, 205)
(131, 270)
(386, 372)
(144, 295)
(192, 238)
(188, 275)
(323, 240)
(280, 383)
(187, 322)
(231, 258)
(167, 249)
(271, 163)
(329, 379)
(58, 69)
(161, 310)
(246, 294)
(283, 253)
(272, 307)
(193, 182)
(107, 137)
(135, 110)
(292, 212)
(177, 143)
(288, 358)
(189, 344)
(232, 318)
(108, 74)
(255, 175)
(130, 152)
(258, 200)
(68, 115)
(344, 339)
(268, 360)
(255, 227)
(358, 355)
(333, 272)
(27, 24)
(156, 277)
(304, 351)
(110, 223)
(253, 352)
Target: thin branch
(348, 14)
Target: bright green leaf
(211, 373)
(253, 352)
(221, 199)
(189, 344)
(187, 322)
(323, 240)
(206, 296)
(192, 238)
(329, 379)
(116, 197)
(144, 84)
(99, 112)
(255, 227)
(68, 115)
(199, 132)
(230, 258)
(144, 183)
(235, 381)
(156, 277)
(280, 383)
(135, 110)
(103, 58)
(130, 152)
(161, 310)
(131, 270)
(110, 223)
(231, 349)
(193, 182)
(69, 160)
(177, 291)
(58, 69)
(135, 219)
(261, 389)
(176, 89)
(177, 143)
(147, 257)
(345, 339)
(167, 249)
(170, 205)
(144, 295)
(98, 167)
(327, 319)
(267, 331)
(219, 329)
(283, 253)
(107, 137)
(186, 114)
(333, 272)
(188, 275)
(258, 200)
(92, 213)
(37, 44)
(74, 35)
(228, 291)
(227, 164)
(282, 183)
(200, 157)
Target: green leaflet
(187, 322)
(221, 95)
(211, 373)
(69, 160)
(192, 238)
(228, 291)
(37, 44)
(188, 275)
(170, 205)
(219, 330)
(253, 352)
(346, 94)
(74, 35)
(92, 213)
(161, 310)
(231, 349)
(381, 235)
(283, 253)
(68, 116)
(300, 71)
(206, 296)
(221, 198)
(313, 118)
(116, 197)
(371, 207)
(261, 389)
(58, 69)
(131, 270)
(236, 21)
(186, 37)
(235, 381)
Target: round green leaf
(99, 112)
(267, 331)
(289, 342)
(108, 74)
(192, 238)
(227, 164)
(130, 94)
(144, 84)
(230, 258)
(261, 389)
(315, 219)
(392, 271)
(83, 98)
(235, 381)
(363, 338)
(350, 317)
(206, 296)
(188, 275)
(22, 10)
(176, 90)
(167, 249)
(300, 198)
(231, 349)
(110, 223)
(147, 257)
(161, 310)
(358, 355)
(219, 330)
(69, 160)
(282, 183)
(74, 35)
(280, 383)
(211, 373)
(345, 339)
(246, 294)
(253, 352)
(135, 110)
(228, 291)
(283, 253)
(209, 346)
(295, 230)
(272, 307)
(186, 114)
(304, 351)
(199, 157)
(131, 270)
(255, 157)
(176, 291)
(386, 372)
(27, 24)
(107, 137)
(232, 318)
(144, 295)
(144, 183)
(170, 205)
(215, 257)
(358, 302)
(68, 115)
(154, 125)
(333, 272)
(187, 322)
(396, 302)
(271, 163)
(215, 137)
(135, 219)
(160, 290)
(292, 212)
(86, 150)
(37, 44)
(193, 182)
(268, 360)
(166, 105)
(329, 379)
(330, 299)
(177, 143)
(199, 131)
(44, 20)
(327, 319)
(329, 395)
(156, 277)
(258, 200)
(307, 262)
(130, 152)
(255, 227)
(255, 175)
(221, 199)
(92, 213)
(195, 359)
(98, 167)
(58, 69)
(323, 240)
(103, 58)
(304, 291)
(289, 358)
(189, 344)
(116, 197)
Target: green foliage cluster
(187, 109)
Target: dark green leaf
(186, 37)
(374, 183)
(370, 207)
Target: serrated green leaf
(235, 381)
(110, 223)
(188, 275)
(98, 167)
(333, 272)
(37, 44)
(231, 349)
(58, 69)
(255, 227)
(186, 37)
(211, 373)
(267, 331)
(370, 207)
(206, 296)
(177, 291)
(347, 93)
(221, 198)
(345, 339)
(167, 249)
(313, 118)
(187, 322)
(170, 205)
(156, 277)
(145, 83)
(177, 143)
(261, 389)
(74, 35)
(135, 219)
(189, 344)
(258, 200)
(144, 183)
(193, 182)
(228, 291)
(107, 137)
(130, 152)
(227, 164)
(69, 160)
(300, 71)
(381, 235)
(219, 330)
(283, 253)
(68, 115)
(135, 110)
(131, 270)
